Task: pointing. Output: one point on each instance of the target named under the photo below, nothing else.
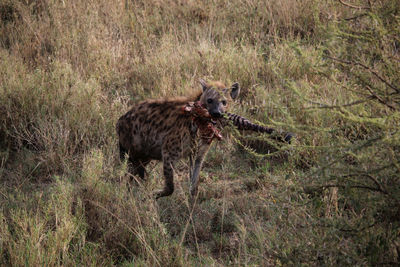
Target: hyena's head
(216, 96)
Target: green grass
(321, 69)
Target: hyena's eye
(209, 101)
(223, 102)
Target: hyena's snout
(216, 110)
(216, 113)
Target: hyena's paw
(289, 137)
(193, 191)
(163, 193)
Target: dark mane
(179, 100)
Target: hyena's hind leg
(122, 152)
(136, 166)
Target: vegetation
(329, 71)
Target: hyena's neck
(175, 101)
(244, 124)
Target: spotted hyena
(160, 130)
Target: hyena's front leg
(168, 169)
(170, 155)
(194, 173)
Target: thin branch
(349, 230)
(373, 179)
(321, 105)
(356, 17)
(374, 95)
(336, 82)
(360, 101)
(367, 143)
(357, 230)
(367, 68)
(4, 195)
(354, 186)
(353, 6)
(378, 184)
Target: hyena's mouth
(216, 116)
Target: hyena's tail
(244, 124)
(122, 152)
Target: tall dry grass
(69, 69)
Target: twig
(353, 186)
(356, 17)
(365, 144)
(373, 179)
(367, 68)
(353, 6)
(351, 230)
(4, 195)
(374, 95)
(321, 105)
(357, 230)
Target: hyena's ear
(204, 84)
(235, 90)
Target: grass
(322, 69)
